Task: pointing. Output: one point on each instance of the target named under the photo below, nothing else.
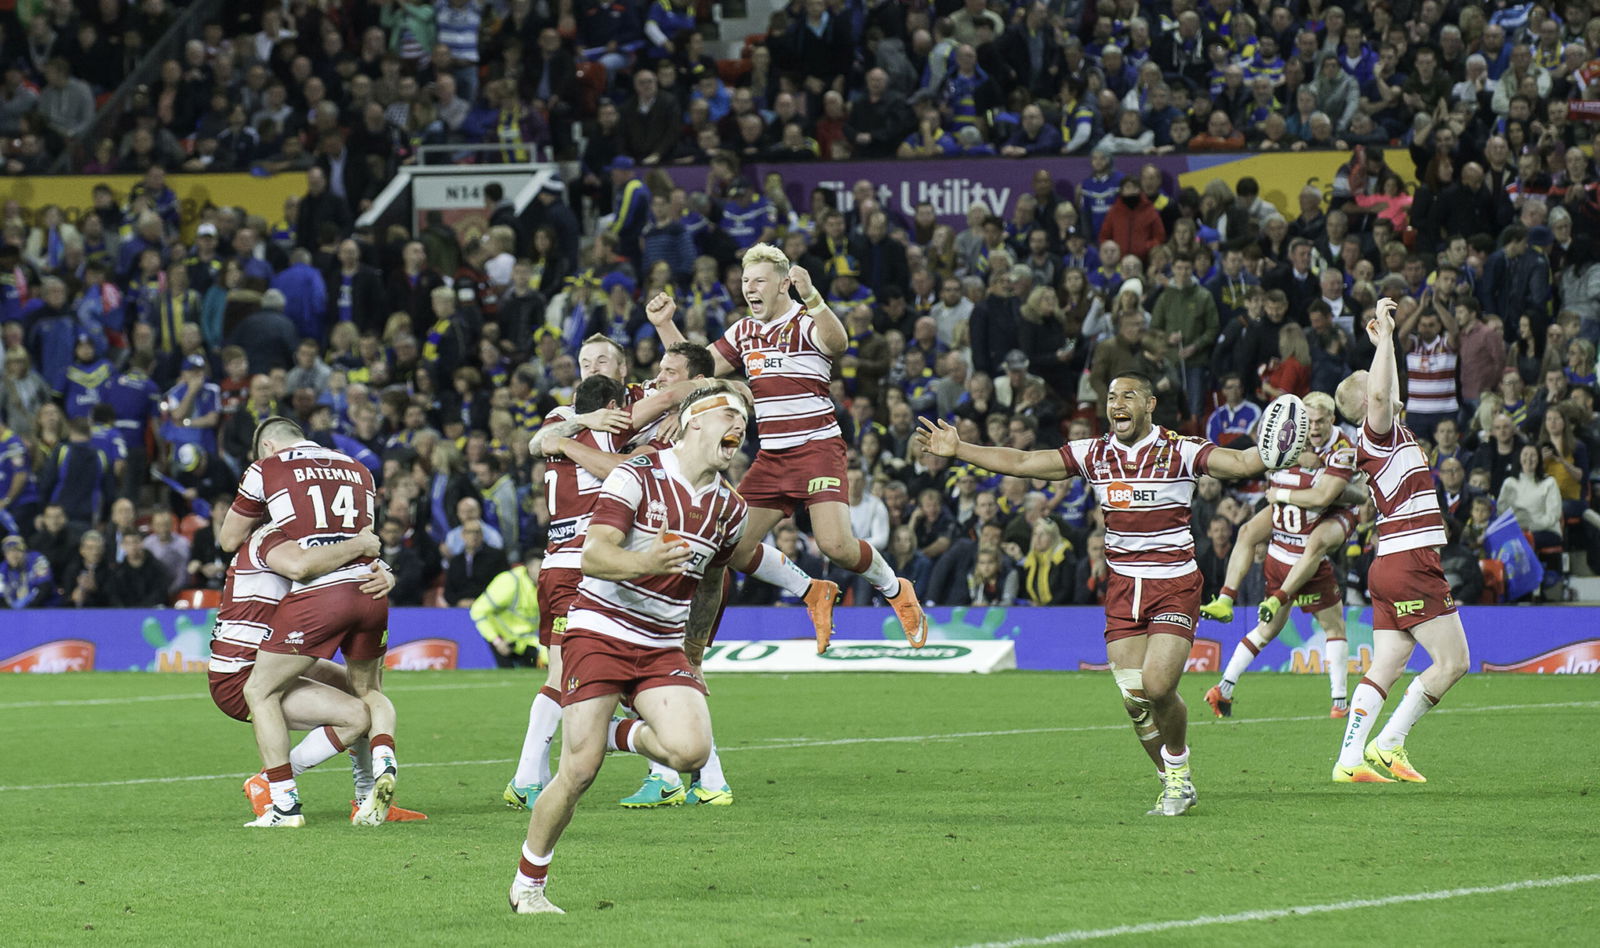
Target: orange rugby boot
(820, 598)
(259, 793)
(909, 611)
(397, 814)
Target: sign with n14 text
(801, 656)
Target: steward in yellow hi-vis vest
(507, 616)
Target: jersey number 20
(1288, 517)
(343, 506)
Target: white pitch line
(195, 695)
(802, 743)
(1267, 915)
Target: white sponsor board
(798, 655)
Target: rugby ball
(1283, 432)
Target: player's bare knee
(843, 551)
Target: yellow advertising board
(73, 193)
(1283, 175)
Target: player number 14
(343, 506)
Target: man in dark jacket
(470, 572)
(995, 324)
(1516, 283)
(138, 581)
(1030, 56)
(319, 206)
(355, 292)
(650, 122)
(879, 119)
(267, 336)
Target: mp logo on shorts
(1122, 496)
(819, 484)
(1409, 607)
(1173, 618)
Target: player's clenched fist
(802, 281)
(667, 554)
(938, 438)
(660, 309)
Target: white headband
(711, 403)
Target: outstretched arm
(941, 439)
(1383, 380)
(1235, 465)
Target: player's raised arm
(1383, 380)
(940, 438)
(660, 311)
(831, 337)
(605, 558)
(289, 560)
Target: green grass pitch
(871, 810)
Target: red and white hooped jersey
(1145, 491)
(570, 493)
(1431, 376)
(1292, 525)
(639, 437)
(788, 375)
(250, 595)
(314, 495)
(645, 497)
(1402, 489)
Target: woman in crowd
(1534, 496)
(907, 560)
(1048, 338)
(1049, 567)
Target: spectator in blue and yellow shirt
(25, 578)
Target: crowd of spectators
(141, 349)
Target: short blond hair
(767, 253)
(1322, 402)
(1351, 396)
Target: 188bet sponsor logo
(1122, 496)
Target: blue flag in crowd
(200, 507)
(1505, 541)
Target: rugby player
(319, 702)
(1411, 600)
(659, 542)
(1325, 500)
(1332, 491)
(1144, 476)
(315, 496)
(786, 350)
(1291, 525)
